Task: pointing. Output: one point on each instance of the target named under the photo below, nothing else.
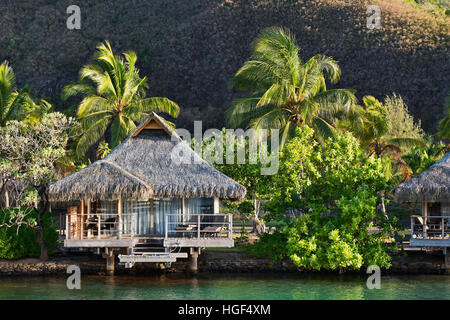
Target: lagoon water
(227, 286)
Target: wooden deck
(430, 231)
(199, 231)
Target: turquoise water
(228, 286)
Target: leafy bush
(333, 193)
(16, 243)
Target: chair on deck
(92, 225)
(109, 224)
(215, 226)
(187, 228)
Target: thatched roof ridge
(431, 185)
(142, 167)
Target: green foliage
(21, 242)
(377, 128)
(114, 98)
(420, 159)
(103, 150)
(14, 104)
(401, 122)
(325, 198)
(245, 208)
(285, 91)
(29, 153)
(247, 172)
(433, 6)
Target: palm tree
(370, 124)
(14, 104)
(421, 158)
(38, 111)
(114, 99)
(285, 92)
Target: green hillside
(190, 49)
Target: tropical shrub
(21, 242)
(325, 198)
(402, 122)
(420, 159)
(375, 125)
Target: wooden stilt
(193, 260)
(110, 261)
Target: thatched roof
(431, 185)
(141, 167)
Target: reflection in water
(228, 286)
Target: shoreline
(418, 263)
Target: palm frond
(92, 135)
(323, 128)
(77, 88)
(160, 104)
(93, 104)
(407, 142)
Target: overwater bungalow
(141, 203)
(431, 189)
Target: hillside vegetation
(190, 49)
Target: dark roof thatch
(141, 167)
(431, 185)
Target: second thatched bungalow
(139, 202)
(431, 189)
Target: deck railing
(81, 226)
(107, 225)
(430, 227)
(199, 226)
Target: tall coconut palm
(114, 99)
(285, 92)
(370, 124)
(14, 104)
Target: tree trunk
(42, 244)
(5, 196)
(43, 207)
(383, 210)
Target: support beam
(67, 224)
(109, 261)
(447, 259)
(98, 225)
(88, 215)
(193, 261)
(81, 219)
(119, 218)
(216, 205)
(152, 217)
(425, 219)
(183, 208)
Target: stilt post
(193, 260)
(110, 261)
